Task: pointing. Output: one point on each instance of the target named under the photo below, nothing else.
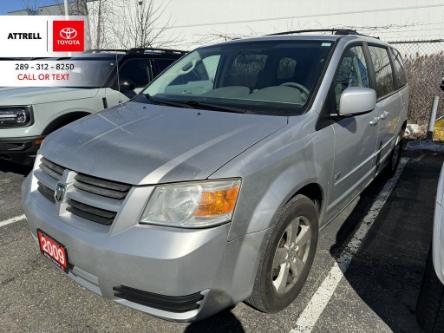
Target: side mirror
(356, 100)
(442, 84)
(126, 85)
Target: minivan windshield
(272, 77)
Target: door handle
(384, 115)
(374, 121)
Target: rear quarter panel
(405, 102)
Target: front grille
(102, 187)
(52, 169)
(91, 213)
(46, 192)
(166, 303)
(88, 196)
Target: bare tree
(75, 7)
(31, 6)
(80, 7)
(142, 24)
(100, 15)
(216, 36)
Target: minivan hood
(39, 95)
(143, 144)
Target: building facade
(188, 24)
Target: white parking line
(308, 318)
(12, 220)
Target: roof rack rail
(136, 50)
(105, 50)
(154, 49)
(333, 31)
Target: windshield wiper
(166, 102)
(215, 107)
(195, 105)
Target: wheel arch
(313, 191)
(63, 120)
(403, 127)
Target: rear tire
(430, 306)
(394, 157)
(288, 256)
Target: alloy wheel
(291, 254)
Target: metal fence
(424, 62)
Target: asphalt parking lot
(377, 293)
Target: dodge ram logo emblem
(59, 192)
(68, 33)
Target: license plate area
(53, 250)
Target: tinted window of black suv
(140, 66)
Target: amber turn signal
(219, 202)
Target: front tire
(288, 256)
(430, 306)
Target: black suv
(136, 67)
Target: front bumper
(172, 266)
(19, 148)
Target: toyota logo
(59, 192)
(68, 33)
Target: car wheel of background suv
(288, 256)
(430, 306)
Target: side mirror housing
(442, 84)
(355, 100)
(126, 85)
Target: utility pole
(66, 17)
(99, 27)
(433, 118)
(66, 8)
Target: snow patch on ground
(415, 131)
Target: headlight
(15, 116)
(192, 205)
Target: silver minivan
(210, 187)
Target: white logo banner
(41, 36)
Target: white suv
(430, 306)
(27, 115)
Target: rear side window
(399, 69)
(135, 71)
(352, 72)
(159, 65)
(383, 70)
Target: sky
(10, 5)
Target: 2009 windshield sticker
(324, 44)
